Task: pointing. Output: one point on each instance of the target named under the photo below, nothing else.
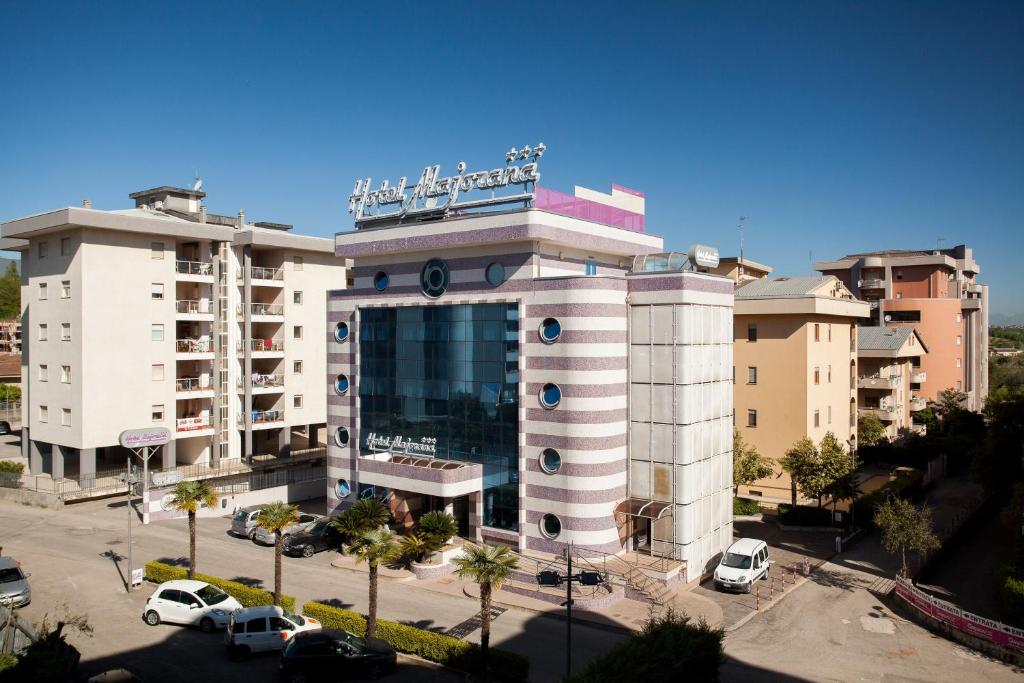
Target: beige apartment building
(164, 315)
(937, 293)
(888, 359)
(795, 372)
(740, 270)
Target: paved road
(67, 553)
(834, 628)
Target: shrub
(1011, 598)
(436, 647)
(802, 515)
(745, 506)
(669, 648)
(158, 572)
(10, 473)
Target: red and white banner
(971, 624)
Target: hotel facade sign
(400, 444)
(436, 194)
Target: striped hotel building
(546, 374)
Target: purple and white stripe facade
(546, 259)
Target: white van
(744, 562)
(259, 629)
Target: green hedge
(436, 647)
(1011, 598)
(745, 507)
(158, 572)
(10, 474)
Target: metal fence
(10, 411)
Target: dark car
(331, 654)
(5, 427)
(320, 536)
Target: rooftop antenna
(740, 225)
(197, 182)
(938, 243)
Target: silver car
(243, 522)
(14, 589)
(262, 536)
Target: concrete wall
(941, 323)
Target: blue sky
(836, 127)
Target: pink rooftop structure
(623, 208)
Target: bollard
(771, 595)
(783, 580)
(757, 600)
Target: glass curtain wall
(450, 373)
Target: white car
(259, 629)
(190, 602)
(744, 562)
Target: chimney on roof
(241, 218)
(87, 203)
(202, 214)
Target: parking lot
(786, 549)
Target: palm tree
(489, 566)
(366, 514)
(375, 547)
(188, 497)
(439, 526)
(276, 517)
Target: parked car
(264, 537)
(14, 588)
(5, 427)
(319, 536)
(332, 653)
(190, 602)
(243, 522)
(114, 676)
(259, 629)
(744, 562)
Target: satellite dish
(198, 186)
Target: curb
(768, 606)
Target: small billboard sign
(140, 438)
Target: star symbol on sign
(511, 154)
(524, 152)
(538, 151)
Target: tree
(10, 293)
(815, 469)
(9, 393)
(748, 465)
(929, 419)
(366, 514)
(439, 526)
(489, 566)
(801, 463)
(870, 430)
(905, 528)
(375, 548)
(951, 401)
(276, 517)
(189, 496)
(846, 487)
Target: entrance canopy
(648, 509)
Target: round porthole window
(495, 274)
(341, 437)
(550, 526)
(550, 395)
(550, 330)
(550, 460)
(381, 281)
(341, 385)
(341, 332)
(342, 489)
(434, 278)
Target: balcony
(264, 419)
(192, 387)
(266, 277)
(264, 384)
(194, 349)
(263, 348)
(421, 474)
(264, 312)
(918, 376)
(883, 413)
(193, 426)
(918, 403)
(193, 271)
(871, 283)
(877, 382)
(194, 309)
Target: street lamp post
(553, 579)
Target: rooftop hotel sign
(436, 194)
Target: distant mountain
(998, 319)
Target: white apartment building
(165, 315)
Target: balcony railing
(194, 346)
(262, 345)
(192, 424)
(918, 404)
(263, 381)
(871, 283)
(193, 267)
(191, 384)
(877, 382)
(264, 417)
(262, 273)
(263, 309)
(193, 306)
(918, 376)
